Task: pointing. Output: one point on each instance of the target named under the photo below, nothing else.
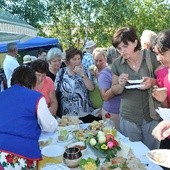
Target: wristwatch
(82, 76)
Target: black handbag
(58, 92)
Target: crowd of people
(33, 90)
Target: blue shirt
(87, 60)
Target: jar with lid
(109, 125)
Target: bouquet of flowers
(104, 145)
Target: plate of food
(82, 135)
(45, 142)
(160, 157)
(122, 163)
(135, 81)
(96, 125)
(81, 145)
(135, 86)
(46, 139)
(69, 123)
(64, 136)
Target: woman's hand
(162, 130)
(123, 79)
(53, 104)
(79, 70)
(160, 94)
(118, 83)
(88, 83)
(147, 83)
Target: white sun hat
(28, 59)
(90, 44)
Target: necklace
(133, 64)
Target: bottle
(109, 125)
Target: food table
(138, 148)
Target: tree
(70, 19)
(149, 14)
(33, 12)
(73, 21)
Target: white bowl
(52, 151)
(75, 144)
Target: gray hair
(111, 55)
(11, 46)
(53, 53)
(148, 36)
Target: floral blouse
(74, 94)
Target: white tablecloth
(139, 149)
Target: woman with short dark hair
(44, 84)
(24, 113)
(135, 120)
(75, 84)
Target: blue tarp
(32, 43)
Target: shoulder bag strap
(149, 63)
(60, 78)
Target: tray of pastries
(69, 123)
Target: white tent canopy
(13, 28)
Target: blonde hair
(100, 51)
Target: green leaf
(4, 164)
(113, 166)
(97, 161)
(82, 162)
(91, 160)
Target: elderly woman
(135, 121)
(54, 59)
(22, 122)
(44, 84)
(147, 39)
(75, 84)
(111, 102)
